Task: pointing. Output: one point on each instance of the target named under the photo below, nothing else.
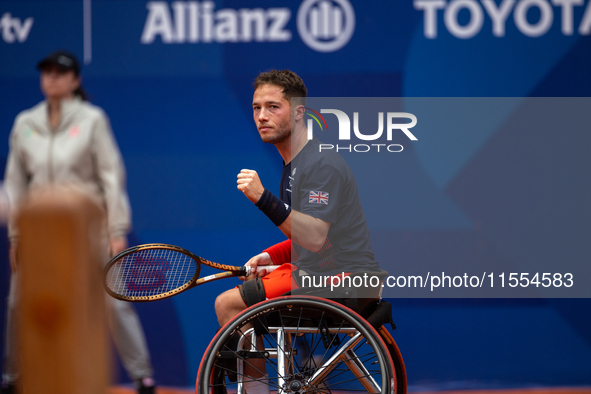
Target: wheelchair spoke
(280, 349)
(325, 369)
(281, 344)
(253, 346)
(352, 380)
(361, 373)
(331, 342)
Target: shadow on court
(556, 390)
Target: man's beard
(283, 133)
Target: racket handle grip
(268, 268)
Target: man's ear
(300, 111)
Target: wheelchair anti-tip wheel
(300, 345)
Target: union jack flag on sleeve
(318, 197)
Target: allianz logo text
(394, 122)
(323, 25)
(14, 29)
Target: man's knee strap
(252, 291)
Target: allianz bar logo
(323, 25)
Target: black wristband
(273, 207)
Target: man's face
(271, 113)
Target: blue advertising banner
(176, 81)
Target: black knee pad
(252, 291)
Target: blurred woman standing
(66, 140)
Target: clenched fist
(250, 184)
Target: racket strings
(150, 272)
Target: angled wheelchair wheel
(397, 361)
(300, 345)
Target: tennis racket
(153, 272)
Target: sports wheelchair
(308, 344)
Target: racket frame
(194, 281)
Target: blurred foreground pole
(62, 325)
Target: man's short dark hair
(292, 84)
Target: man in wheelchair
(319, 211)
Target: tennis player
(318, 206)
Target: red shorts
(280, 281)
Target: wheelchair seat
(356, 291)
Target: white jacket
(81, 153)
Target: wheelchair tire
(397, 361)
